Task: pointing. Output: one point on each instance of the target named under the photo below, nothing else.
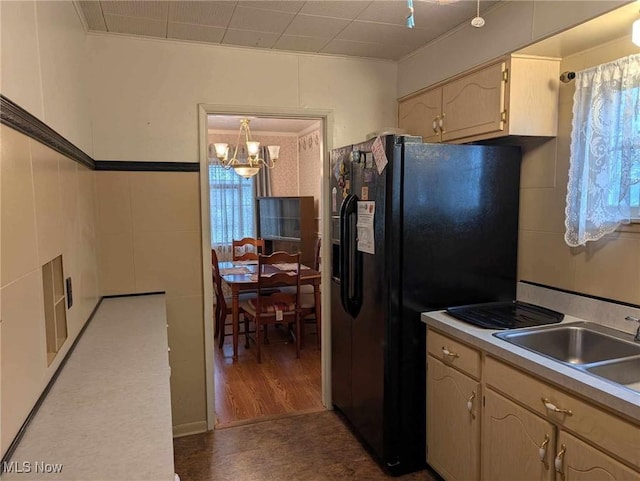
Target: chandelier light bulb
(222, 151)
(274, 152)
(253, 148)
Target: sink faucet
(635, 319)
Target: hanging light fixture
(477, 21)
(253, 163)
(635, 32)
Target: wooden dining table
(242, 276)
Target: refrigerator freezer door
(372, 418)
(350, 258)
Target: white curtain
(232, 210)
(604, 172)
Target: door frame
(326, 118)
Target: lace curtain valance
(605, 149)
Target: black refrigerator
(414, 227)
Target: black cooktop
(505, 315)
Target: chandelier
(252, 165)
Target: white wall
(48, 200)
(43, 66)
(145, 92)
(145, 95)
(509, 26)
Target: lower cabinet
(489, 420)
(516, 444)
(577, 461)
(453, 429)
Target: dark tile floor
(309, 447)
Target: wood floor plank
(282, 384)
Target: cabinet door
(516, 444)
(417, 115)
(577, 461)
(473, 104)
(453, 431)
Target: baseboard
(187, 429)
(134, 294)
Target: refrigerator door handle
(350, 258)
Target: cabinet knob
(436, 123)
(542, 450)
(441, 124)
(552, 407)
(470, 404)
(559, 461)
(449, 353)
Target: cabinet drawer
(605, 430)
(454, 353)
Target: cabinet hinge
(503, 115)
(505, 75)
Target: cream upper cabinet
(577, 461)
(516, 444)
(474, 104)
(517, 95)
(453, 429)
(415, 112)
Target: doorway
(243, 391)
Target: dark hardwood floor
(309, 447)
(246, 391)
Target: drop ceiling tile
(245, 18)
(250, 38)
(364, 49)
(215, 14)
(282, 6)
(433, 15)
(444, 20)
(146, 9)
(337, 9)
(136, 26)
(312, 26)
(300, 44)
(199, 33)
(93, 15)
(386, 34)
(396, 12)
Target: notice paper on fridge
(366, 212)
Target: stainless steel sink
(625, 372)
(577, 343)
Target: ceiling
(261, 124)
(359, 28)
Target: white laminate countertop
(613, 396)
(108, 415)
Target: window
(232, 202)
(604, 173)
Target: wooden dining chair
(275, 307)
(247, 249)
(223, 306)
(308, 299)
